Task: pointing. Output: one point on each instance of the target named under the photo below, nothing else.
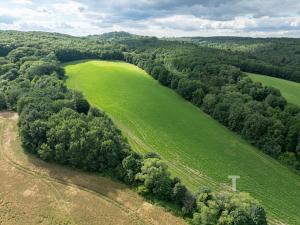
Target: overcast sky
(263, 18)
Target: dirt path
(35, 192)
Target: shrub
(228, 209)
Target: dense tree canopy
(278, 57)
(206, 77)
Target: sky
(162, 18)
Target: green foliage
(59, 125)
(39, 68)
(186, 88)
(228, 209)
(184, 198)
(197, 96)
(187, 136)
(290, 90)
(156, 178)
(2, 102)
(68, 137)
(275, 101)
(81, 104)
(196, 73)
(17, 54)
(277, 57)
(209, 103)
(132, 165)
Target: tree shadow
(98, 184)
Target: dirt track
(35, 192)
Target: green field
(197, 148)
(289, 89)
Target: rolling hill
(198, 149)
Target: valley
(200, 151)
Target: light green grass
(289, 89)
(197, 148)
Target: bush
(39, 68)
(81, 104)
(156, 178)
(228, 209)
(132, 165)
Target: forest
(59, 125)
(278, 57)
(258, 113)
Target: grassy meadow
(197, 148)
(289, 89)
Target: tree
(164, 77)
(228, 209)
(236, 118)
(178, 192)
(186, 88)
(240, 217)
(209, 103)
(45, 152)
(276, 101)
(132, 165)
(156, 178)
(156, 71)
(258, 215)
(2, 102)
(273, 140)
(197, 97)
(39, 68)
(81, 104)
(221, 112)
(12, 74)
(255, 127)
(188, 203)
(20, 52)
(174, 82)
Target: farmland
(197, 148)
(289, 89)
(35, 192)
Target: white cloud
(22, 2)
(189, 22)
(69, 7)
(78, 17)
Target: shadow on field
(69, 193)
(90, 182)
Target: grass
(35, 192)
(289, 89)
(197, 149)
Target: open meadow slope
(289, 89)
(34, 192)
(197, 148)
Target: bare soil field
(35, 192)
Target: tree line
(258, 113)
(276, 57)
(59, 125)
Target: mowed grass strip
(197, 148)
(289, 89)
